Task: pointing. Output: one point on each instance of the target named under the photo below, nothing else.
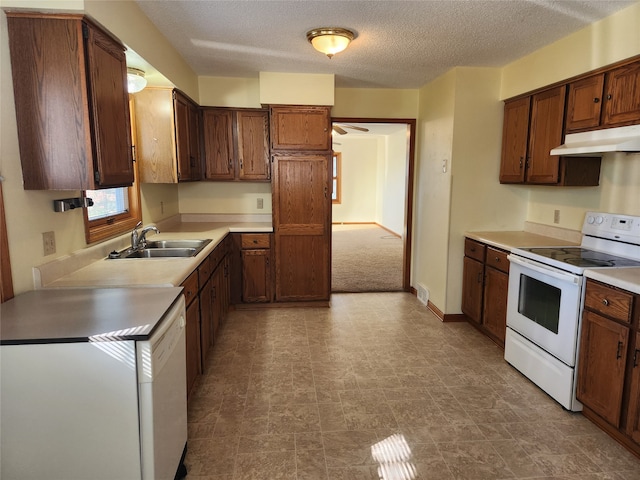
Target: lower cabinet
(192, 330)
(253, 269)
(608, 364)
(206, 293)
(485, 282)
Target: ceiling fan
(337, 127)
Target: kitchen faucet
(139, 240)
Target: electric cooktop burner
(582, 257)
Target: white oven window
(539, 302)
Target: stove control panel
(624, 228)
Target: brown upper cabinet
(72, 106)
(167, 136)
(532, 127)
(236, 144)
(300, 128)
(607, 99)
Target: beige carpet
(365, 258)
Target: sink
(177, 244)
(164, 249)
(161, 253)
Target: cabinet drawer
(497, 259)
(474, 249)
(608, 301)
(190, 287)
(255, 240)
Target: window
(115, 210)
(337, 166)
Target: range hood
(597, 142)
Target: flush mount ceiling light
(135, 80)
(330, 40)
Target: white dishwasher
(163, 407)
(100, 399)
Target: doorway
(394, 215)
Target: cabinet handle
(521, 161)
(325, 192)
(241, 163)
(255, 241)
(609, 97)
(497, 259)
(605, 302)
(472, 249)
(596, 100)
(619, 352)
(230, 164)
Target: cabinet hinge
(85, 31)
(96, 176)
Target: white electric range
(546, 297)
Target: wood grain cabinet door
(515, 136)
(110, 110)
(472, 288)
(192, 334)
(584, 103)
(622, 99)
(633, 418)
(253, 145)
(256, 275)
(547, 117)
(300, 128)
(217, 126)
(302, 226)
(494, 316)
(601, 367)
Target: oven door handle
(537, 267)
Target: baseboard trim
(444, 317)
(369, 223)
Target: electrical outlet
(556, 216)
(49, 243)
(260, 204)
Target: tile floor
(376, 387)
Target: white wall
(359, 178)
(392, 179)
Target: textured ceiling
(399, 44)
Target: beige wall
(375, 103)
(229, 92)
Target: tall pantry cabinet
(301, 193)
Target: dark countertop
(82, 315)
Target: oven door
(544, 306)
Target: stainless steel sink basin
(161, 253)
(177, 244)
(164, 249)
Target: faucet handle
(138, 225)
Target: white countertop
(508, 240)
(136, 272)
(625, 278)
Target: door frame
(409, 180)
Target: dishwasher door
(162, 385)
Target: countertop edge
(626, 278)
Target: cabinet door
(187, 169)
(195, 159)
(206, 319)
(584, 103)
(217, 126)
(107, 68)
(256, 275)
(601, 367)
(622, 100)
(300, 128)
(194, 367)
(253, 145)
(547, 115)
(494, 316)
(302, 226)
(633, 418)
(515, 135)
(472, 288)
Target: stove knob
(599, 219)
(590, 220)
